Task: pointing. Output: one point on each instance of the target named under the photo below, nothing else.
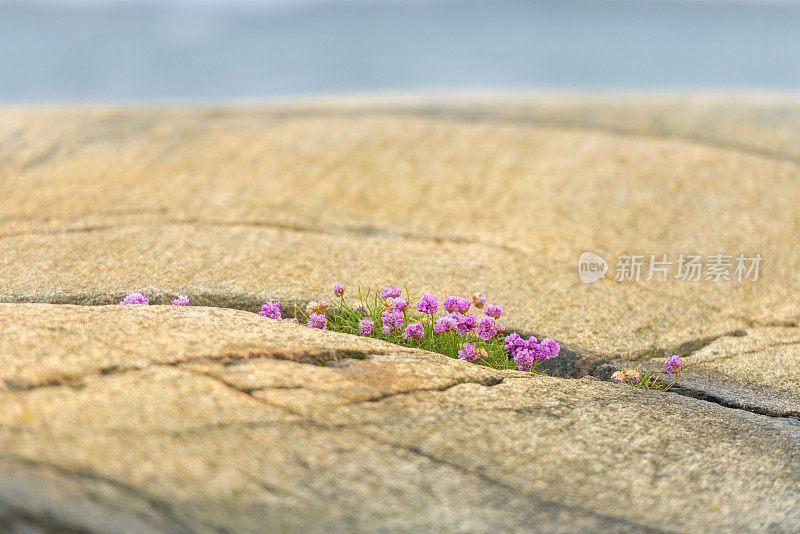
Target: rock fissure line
(688, 391)
(508, 117)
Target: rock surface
(241, 205)
(200, 419)
(759, 372)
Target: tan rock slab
(235, 206)
(198, 440)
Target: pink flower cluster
(446, 326)
(365, 326)
(271, 310)
(135, 298)
(526, 352)
(673, 364)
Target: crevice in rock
(604, 371)
(363, 231)
(687, 391)
(786, 323)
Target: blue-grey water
(165, 51)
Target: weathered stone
(210, 431)
(237, 206)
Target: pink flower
(493, 310)
(135, 298)
(466, 323)
(428, 303)
(271, 310)
(673, 364)
(414, 330)
(391, 292)
(486, 328)
(450, 304)
(338, 289)
(182, 300)
(467, 352)
(445, 323)
(318, 320)
(365, 326)
(391, 320)
(547, 348)
(400, 303)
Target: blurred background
(226, 50)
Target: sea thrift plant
(135, 298)
(529, 353)
(649, 379)
(446, 326)
(486, 328)
(450, 304)
(445, 323)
